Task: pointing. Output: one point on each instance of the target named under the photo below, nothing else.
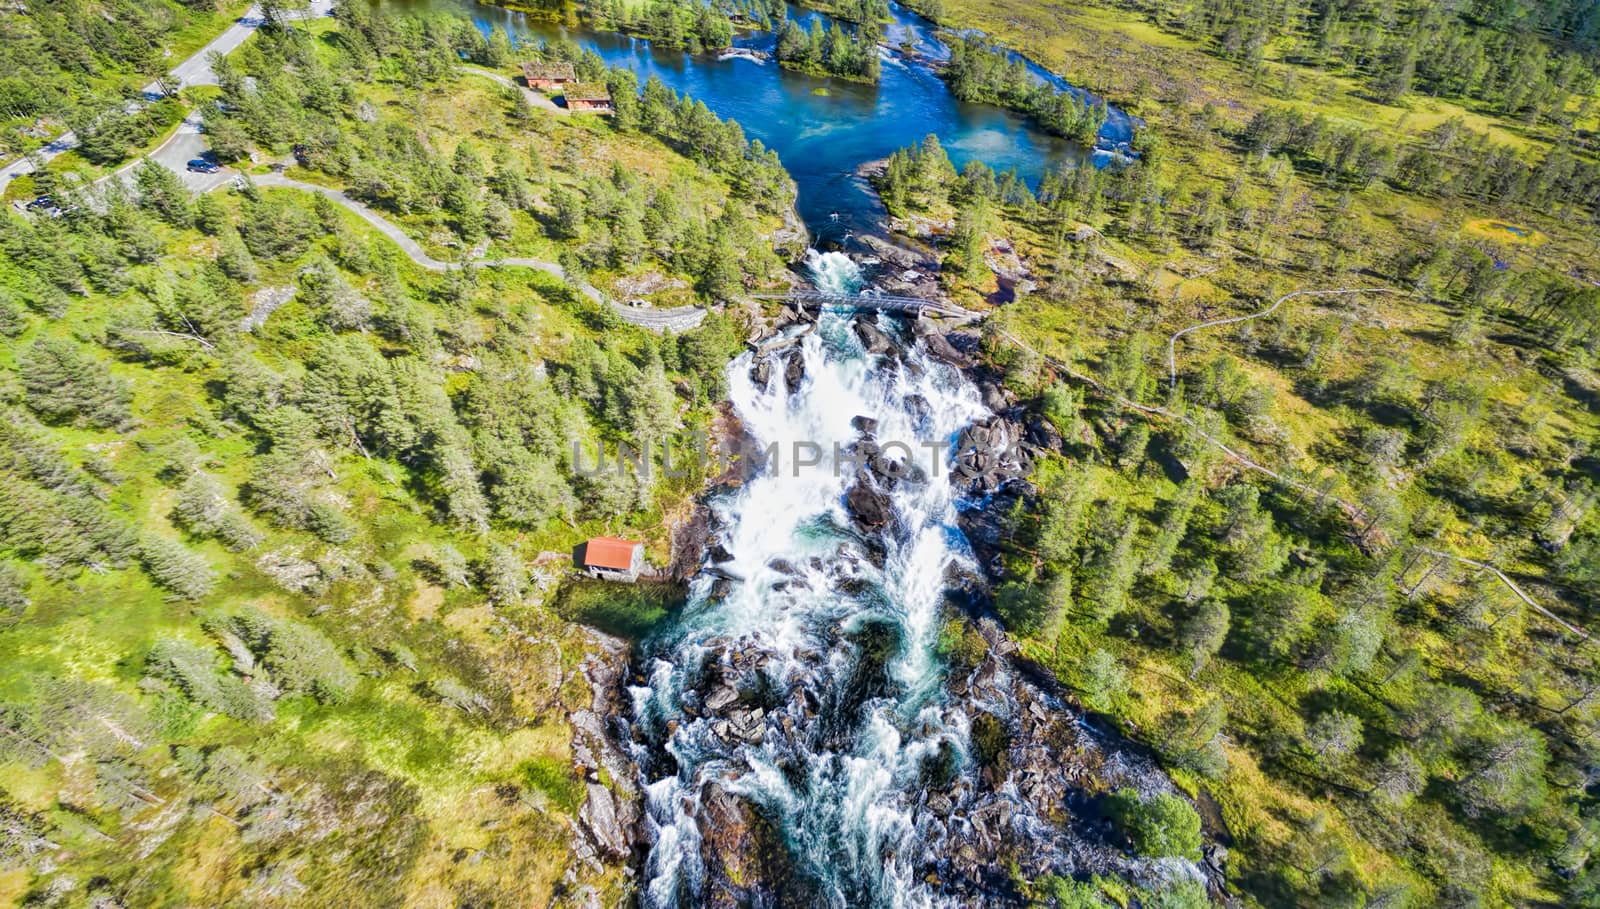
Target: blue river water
(824, 129)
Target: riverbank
(1027, 755)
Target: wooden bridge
(910, 306)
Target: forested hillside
(271, 621)
(1272, 569)
(1531, 60)
(67, 64)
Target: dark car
(202, 166)
(45, 205)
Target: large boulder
(728, 847)
(872, 337)
(601, 817)
(794, 371)
(1042, 433)
(870, 507)
(938, 346)
(994, 397)
(989, 454)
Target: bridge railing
(881, 302)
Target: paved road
(537, 99)
(196, 70)
(186, 143)
(677, 319)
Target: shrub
(1162, 826)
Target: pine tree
(173, 566)
(65, 384)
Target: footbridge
(910, 306)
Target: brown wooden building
(590, 96)
(545, 76)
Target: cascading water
(796, 729)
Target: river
(801, 736)
(823, 137)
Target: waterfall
(789, 723)
(834, 272)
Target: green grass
(555, 780)
(628, 611)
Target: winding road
(676, 319)
(188, 142)
(194, 70)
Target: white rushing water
(837, 766)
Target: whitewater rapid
(800, 582)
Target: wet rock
(864, 424)
(869, 506)
(938, 346)
(761, 372)
(719, 554)
(872, 337)
(721, 699)
(794, 371)
(783, 566)
(990, 454)
(689, 544)
(917, 406)
(728, 846)
(994, 397)
(747, 725)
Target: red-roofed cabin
(545, 76)
(589, 96)
(611, 559)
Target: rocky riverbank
(1026, 796)
(1019, 793)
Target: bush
(1163, 826)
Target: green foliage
(1164, 825)
(65, 384)
(1102, 678)
(979, 72)
(192, 668)
(991, 741)
(299, 658)
(829, 51)
(331, 459)
(631, 612)
(173, 566)
(554, 779)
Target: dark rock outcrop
(938, 346)
(794, 371)
(990, 454)
(869, 506)
(872, 337)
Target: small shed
(544, 76)
(612, 559)
(590, 96)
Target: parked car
(202, 166)
(44, 205)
